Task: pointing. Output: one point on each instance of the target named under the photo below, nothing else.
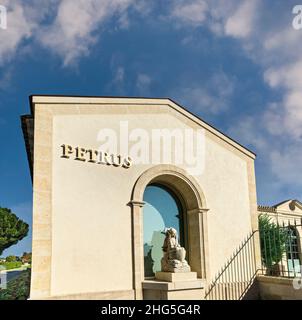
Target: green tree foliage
(18, 288)
(26, 257)
(12, 229)
(11, 265)
(273, 241)
(11, 259)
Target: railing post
(247, 261)
(257, 251)
(227, 277)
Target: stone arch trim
(196, 210)
(157, 173)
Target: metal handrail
(280, 254)
(235, 278)
(281, 250)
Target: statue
(174, 255)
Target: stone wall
(275, 288)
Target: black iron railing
(281, 256)
(280, 248)
(237, 275)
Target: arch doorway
(162, 209)
(186, 196)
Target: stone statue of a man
(174, 255)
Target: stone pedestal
(174, 286)
(175, 276)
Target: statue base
(174, 286)
(175, 281)
(175, 276)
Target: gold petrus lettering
(95, 156)
(80, 154)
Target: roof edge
(55, 99)
(23, 119)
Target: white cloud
(119, 75)
(244, 131)
(286, 164)
(220, 16)
(74, 26)
(273, 120)
(212, 96)
(190, 12)
(284, 40)
(276, 48)
(286, 75)
(241, 23)
(289, 78)
(67, 27)
(23, 21)
(72, 33)
(293, 114)
(266, 35)
(144, 7)
(18, 29)
(143, 83)
(5, 81)
(118, 84)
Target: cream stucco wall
(89, 248)
(225, 185)
(283, 213)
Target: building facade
(287, 212)
(110, 174)
(287, 216)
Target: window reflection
(162, 210)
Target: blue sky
(236, 64)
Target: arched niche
(194, 204)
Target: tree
(17, 288)
(11, 259)
(26, 257)
(12, 229)
(273, 239)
